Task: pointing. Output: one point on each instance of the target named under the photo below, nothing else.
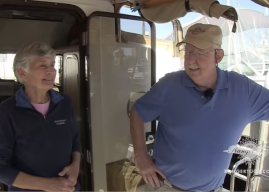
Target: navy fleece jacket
(35, 144)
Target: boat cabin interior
(95, 90)
(104, 69)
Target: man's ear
(219, 55)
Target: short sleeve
(149, 106)
(258, 101)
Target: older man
(39, 138)
(201, 111)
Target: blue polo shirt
(35, 144)
(193, 132)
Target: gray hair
(28, 52)
(216, 46)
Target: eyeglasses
(198, 55)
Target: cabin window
(165, 61)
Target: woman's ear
(21, 73)
(219, 55)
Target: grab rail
(234, 171)
(253, 177)
(248, 175)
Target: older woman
(39, 137)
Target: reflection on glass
(119, 72)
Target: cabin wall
(88, 6)
(14, 33)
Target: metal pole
(253, 177)
(143, 28)
(248, 175)
(234, 171)
(228, 2)
(175, 35)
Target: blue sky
(163, 30)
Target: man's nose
(51, 71)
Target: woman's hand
(71, 172)
(59, 184)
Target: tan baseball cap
(203, 36)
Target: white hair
(28, 52)
(216, 46)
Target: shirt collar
(23, 101)
(222, 82)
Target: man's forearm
(25, 181)
(137, 132)
(76, 157)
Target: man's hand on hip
(148, 170)
(71, 172)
